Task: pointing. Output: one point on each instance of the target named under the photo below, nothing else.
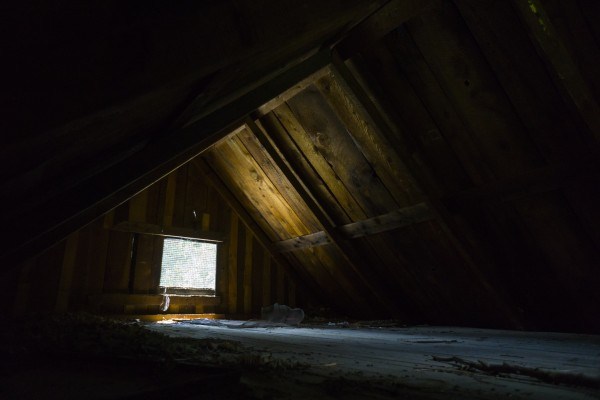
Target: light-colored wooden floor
(434, 359)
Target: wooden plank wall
(91, 270)
(475, 100)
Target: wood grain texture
(525, 78)
(564, 68)
(455, 59)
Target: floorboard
(443, 361)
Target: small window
(188, 267)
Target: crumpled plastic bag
(282, 313)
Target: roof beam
(380, 23)
(540, 180)
(302, 242)
(36, 226)
(156, 230)
(351, 256)
(252, 225)
(363, 90)
(565, 70)
(393, 220)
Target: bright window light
(188, 267)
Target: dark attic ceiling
(436, 160)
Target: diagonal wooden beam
(156, 230)
(380, 23)
(302, 242)
(288, 94)
(557, 56)
(393, 220)
(540, 180)
(362, 89)
(45, 222)
(349, 253)
(252, 225)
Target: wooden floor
(445, 362)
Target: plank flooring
(407, 357)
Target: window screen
(188, 264)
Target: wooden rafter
(419, 172)
(380, 23)
(556, 54)
(74, 207)
(252, 225)
(371, 226)
(540, 180)
(156, 230)
(351, 256)
(302, 242)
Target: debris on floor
(79, 353)
(282, 313)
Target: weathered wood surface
(151, 229)
(525, 78)
(482, 111)
(311, 240)
(352, 259)
(94, 269)
(382, 223)
(566, 72)
(389, 17)
(103, 188)
(423, 362)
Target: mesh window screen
(188, 264)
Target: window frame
(189, 292)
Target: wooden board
(330, 141)
(469, 83)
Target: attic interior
(421, 178)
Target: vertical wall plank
(98, 253)
(45, 278)
(170, 200)
(66, 276)
(179, 204)
(156, 262)
(24, 287)
(97, 259)
(232, 266)
(108, 220)
(280, 285)
(291, 292)
(138, 206)
(81, 270)
(205, 221)
(143, 267)
(248, 272)
(266, 280)
(116, 277)
(257, 274)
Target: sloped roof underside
(442, 167)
